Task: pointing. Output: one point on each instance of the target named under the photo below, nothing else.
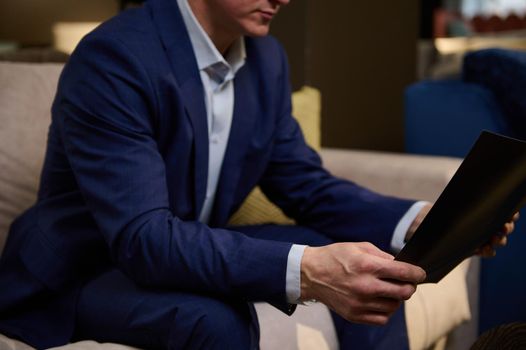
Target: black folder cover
(487, 189)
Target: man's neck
(221, 38)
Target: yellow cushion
(257, 209)
(306, 108)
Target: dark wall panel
(291, 28)
(363, 56)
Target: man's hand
(498, 240)
(418, 220)
(357, 280)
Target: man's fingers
(374, 250)
(357, 280)
(508, 228)
(510, 225)
(392, 289)
(373, 288)
(377, 319)
(401, 271)
(381, 305)
(499, 241)
(486, 251)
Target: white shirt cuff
(398, 239)
(293, 277)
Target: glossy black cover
(487, 189)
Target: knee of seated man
(218, 324)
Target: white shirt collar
(205, 51)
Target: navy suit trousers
(112, 308)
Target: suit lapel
(173, 34)
(245, 114)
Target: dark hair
(510, 336)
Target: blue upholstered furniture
(445, 118)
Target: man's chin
(258, 30)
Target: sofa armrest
(401, 175)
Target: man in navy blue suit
(165, 118)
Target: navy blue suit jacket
(125, 177)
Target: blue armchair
(444, 117)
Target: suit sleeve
(106, 109)
(297, 182)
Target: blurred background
(360, 54)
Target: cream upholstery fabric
(26, 93)
(310, 327)
(434, 310)
(402, 175)
(11, 344)
(93, 345)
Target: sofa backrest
(26, 94)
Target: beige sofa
(438, 316)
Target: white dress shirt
(217, 75)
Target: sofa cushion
(436, 309)
(93, 345)
(12, 344)
(309, 328)
(26, 93)
(504, 73)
